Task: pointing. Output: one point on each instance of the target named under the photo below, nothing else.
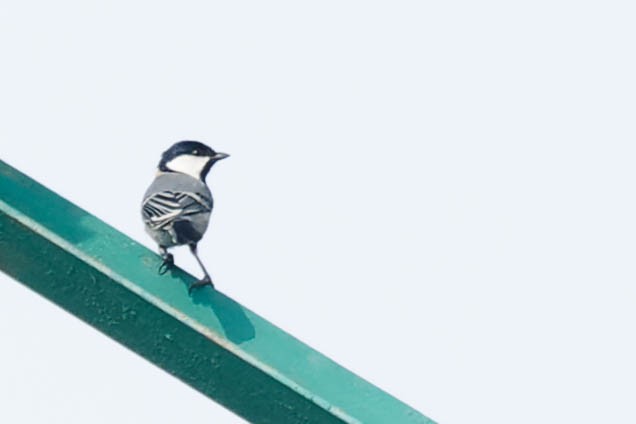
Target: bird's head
(190, 158)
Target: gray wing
(163, 208)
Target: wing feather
(165, 207)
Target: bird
(177, 205)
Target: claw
(201, 283)
(167, 264)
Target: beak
(220, 156)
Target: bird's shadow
(235, 323)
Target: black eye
(195, 152)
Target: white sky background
(437, 195)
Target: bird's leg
(168, 260)
(206, 281)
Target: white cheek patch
(188, 164)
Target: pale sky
(436, 195)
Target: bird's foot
(207, 281)
(167, 264)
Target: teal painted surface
(208, 340)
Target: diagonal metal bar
(209, 341)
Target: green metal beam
(209, 341)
